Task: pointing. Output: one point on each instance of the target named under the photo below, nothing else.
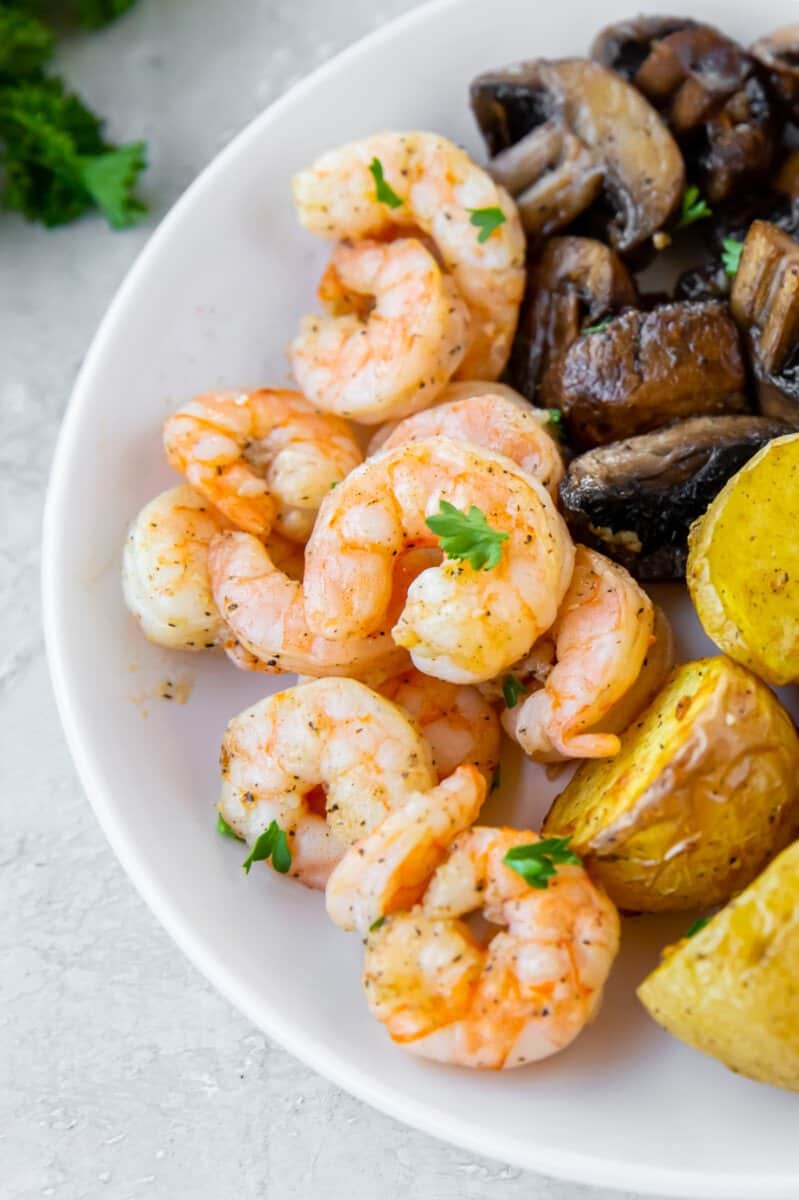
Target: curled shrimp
(439, 188)
(389, 868)
(601, 637)
(459, 723)
(393, 358)
(493, 420)
(458, 623)
(265, 611)
(262, 458)
(524, 996)
(331, 734)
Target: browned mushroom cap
(574, 282)
(778, 54)
(765, 303)
(645, 369)
(560, 132)
(707, 87)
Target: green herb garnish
(467, 535)
(226, 830)
(694, 207)
(598, 328)
(537, 863)
(272, 844)
(376, 924)
(486, 220)
(697, 926)
(731, 253)
(383, 191)
(512, 691)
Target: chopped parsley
(537, 863)
(467, 535)
(731, 253)
(486, 220)
(694, 207)
(383, 190)
(697, 926)
(512, 691)
(272, 844)
(598, 328)
(226, 830)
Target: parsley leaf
(731, 255)
(512, 691)
(598, 328)
(376, 924)
(694, 207)
(555, 422)
(110, 180)
(697, 926)
(25, 43)
(226, 830)
(272, 843)
(537, 863)
(383, 191)
(486, 220)
(467, 535)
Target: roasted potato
(743, 564)
(704, 790)
(732, 990)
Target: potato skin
(704, 790)
(732, 990)
(743, 564)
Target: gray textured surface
(122, 1073)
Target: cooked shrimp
(440, 189)
(458, 623)
(602, 634)
(525, 995)
(394, 358)
(492, 420)
(165, 570)
(390, 867)
(334, 734)
(460, 725)
(265, 610)
(262, 458)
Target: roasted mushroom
(562, 132)
(765, 303)
(574, 282)
(635, 500)
(778, 55)
(709, 91)
(645, 369)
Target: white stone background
(122, 1074)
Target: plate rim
(641, 1178)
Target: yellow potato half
(703, 792)
(743, 564)
(732, 990)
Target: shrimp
(493, 420)
(439, 188)
(460, 725)
(524, 996)
(262, 458)
(389, 868)
(459, 624)
(334, 734)
(265, 611)
(394, 358)
(601, 636)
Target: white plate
(212, 301)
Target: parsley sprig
(731, 253)
(225, 830)
(694, 207)
(383, 190)
(467, 535)
(273, 844)
(486, 220)
(55, 163)
(512, 691)
(538, 862)
(697, 927)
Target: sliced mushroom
(765, 303)
(574, 282)
(708, 89)
(778, 55)
(645, 369)
(707, 282)
(561, 132)
(635, 500)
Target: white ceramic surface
(212, 301)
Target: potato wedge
(732, 990)
(743, 564)
(704, 790)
